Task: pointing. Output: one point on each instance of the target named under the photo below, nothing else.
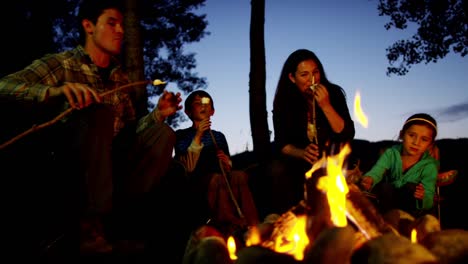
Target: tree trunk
(257, 93)
(134, 54)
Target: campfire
(336, 223)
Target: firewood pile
(369, 237)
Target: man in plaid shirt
(102, 140)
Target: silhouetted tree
(134, 53)
(26, 26)
(442, 27)
(258, 113)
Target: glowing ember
(158, 82)
(231, 245)
(358, 113)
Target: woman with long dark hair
(310, 118)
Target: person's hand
(322, 96)
(311, 153)
(366, 182)
(168, 104)
(203, 125)
(78, 95)
(419, 192)
(225, 160)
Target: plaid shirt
(30, 84)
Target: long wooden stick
(63, 114)
(231, 194)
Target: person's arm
(45, 80)
(190, 157)
(189, 146)
(377, 171)
(291, 135)
(323, 100)
(30, 84)
(428, 181)
(168, 105)
(309, 154)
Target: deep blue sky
(350, 39)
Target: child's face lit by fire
(417, 139)
(202, 108)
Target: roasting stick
(239, 211)
(206, 100)
(314, 118)
(69, 110)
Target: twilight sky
(350, 39)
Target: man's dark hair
(92, 9)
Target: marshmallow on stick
(158, 82)
(312, 87)
(205, 100)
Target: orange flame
(231, 245)
(414, 236)
(358, 112)
(295, 241)
(334, 184)
(292, 238)
(253, 237)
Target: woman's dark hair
(420, 119)
(92, 9)
(286, 92)
(189, 101)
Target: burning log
(364, 214)
(359, 209)
(287, 234)
(314, 231)
(344, 200)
